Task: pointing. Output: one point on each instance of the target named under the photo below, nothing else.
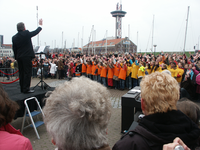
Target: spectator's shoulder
(18, 141)
(131, 140)
(25, 144)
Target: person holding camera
(162, 122)
(176, 145)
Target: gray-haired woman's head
(77, 114)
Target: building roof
(7, 45)
(111, 42)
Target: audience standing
(10, 138)
(162, 122)
(77, 116)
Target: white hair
(77, 114)
(167, 71)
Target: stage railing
(8, 75)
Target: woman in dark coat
(162, 122)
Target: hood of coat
(165, 127)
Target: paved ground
(44, 143)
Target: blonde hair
(160, 92)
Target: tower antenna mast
(118, 14)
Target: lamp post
(198, 42)
(154, 50)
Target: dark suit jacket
(22, 44)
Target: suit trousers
(25, 72)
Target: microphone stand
(44, 85)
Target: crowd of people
(79, 120)
(77, 116)
(122, 71)
(117, 71)
(8, 66)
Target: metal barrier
(8, 74)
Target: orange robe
(104, 72)
(89, 69)
(110, 73)
(122, 73)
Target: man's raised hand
(40, 22)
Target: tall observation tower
(118, 14)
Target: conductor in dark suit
(23, 51)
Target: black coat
(158, 129)
(189, 86)
(22, 44)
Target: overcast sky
(70, 17)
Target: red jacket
(10, 138)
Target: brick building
(110, 46)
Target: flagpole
(106, 41)
(37, 26)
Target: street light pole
(186, 30)
(154, 50)
(198, 42)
